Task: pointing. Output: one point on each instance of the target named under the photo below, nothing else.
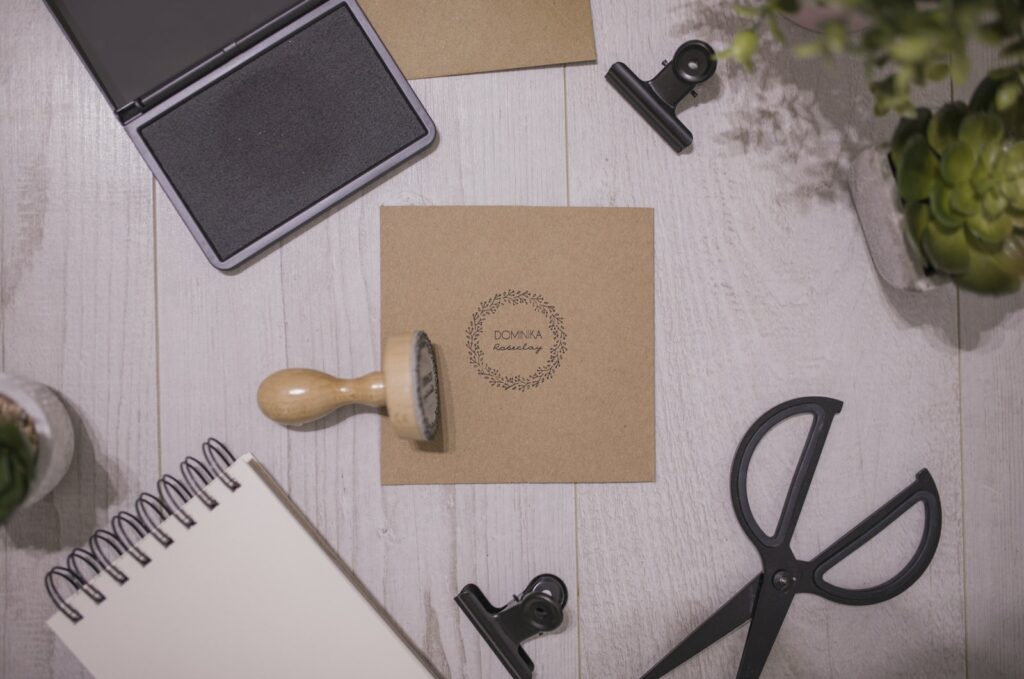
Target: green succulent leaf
(918, 170)
(1013, 190)
(948, 252)
(1011, 257)
(978, 129)
(1017, 217)
(985, 275)
(989, 155)
(982, 180)
(917, 216)
(994, 204)
(1008, 95)
(958, 162)
(964, 200)
(990, 231)
(942, 210)
(906, 129)
(14, 483)
(945, 125)
(17, 463)
(1015, 159)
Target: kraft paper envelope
(447, 37)
(543, 324)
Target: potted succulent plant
(951, 185)
(36, 443)
(945, 199)
(17, 462)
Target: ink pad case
(254, 115)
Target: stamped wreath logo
(555, 328)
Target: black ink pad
(254, 115)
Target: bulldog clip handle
(656, 100)
(536, 611)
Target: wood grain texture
(502, 141)
(76, 311)
(992, 398)
(992, 364)
(765, 292)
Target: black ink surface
(283, 132)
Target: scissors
(765, 600)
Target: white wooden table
(765, 291)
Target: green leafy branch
(905, 44)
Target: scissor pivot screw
(783, 581)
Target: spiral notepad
(218, 574)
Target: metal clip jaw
(656, 100)
(536, 611)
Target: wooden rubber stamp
(407, 387)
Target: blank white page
(251, 590)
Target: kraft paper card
(447, 37)
(543, 324)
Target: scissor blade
(769, 612)
(734, 613)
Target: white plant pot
(53, 425)
(896, 258)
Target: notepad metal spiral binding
(83, 564)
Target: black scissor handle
(823, 410)
(922, 490)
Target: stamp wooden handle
(408, 387)
(299, 395)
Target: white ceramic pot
(53, 425)
(878, 206)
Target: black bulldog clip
(656, 100)
(536, 611)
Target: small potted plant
(950, 186)
(36, 443)
(17, 463)
(944, 201)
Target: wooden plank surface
(315, 303)
(765, 292)
(992, 398)
(993, 454)
(76, 311)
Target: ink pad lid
(254, 115)
(136, 48)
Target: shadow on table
(340, 415)
(66, 518)
(811, 122)
(979, 314)
(814, 116)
